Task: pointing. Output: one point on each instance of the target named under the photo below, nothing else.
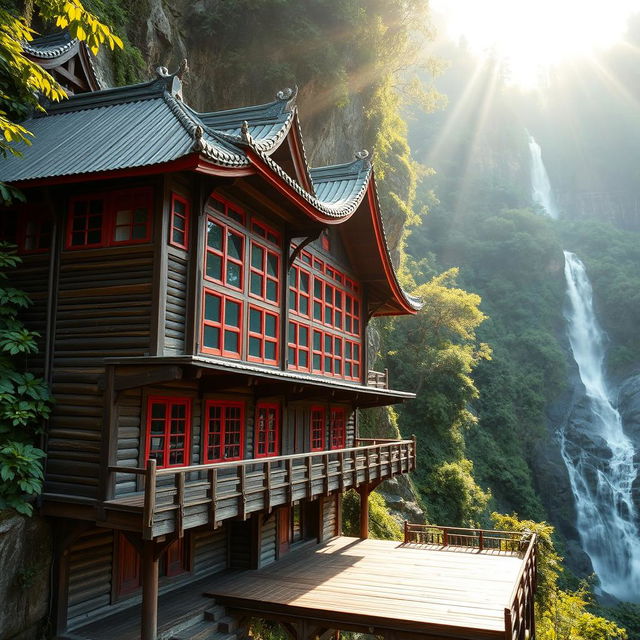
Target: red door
(129, 575)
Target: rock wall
(25, 564)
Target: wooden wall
(330, 519)
(268, 539)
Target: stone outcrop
(25, 563)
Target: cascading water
(597, 453)
(541, 192)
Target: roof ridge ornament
(244, 133)
(363, 156)
(198, 144)
(173, 81)
(287, 95)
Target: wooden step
(215, 613)
(227, 625)
(203, 630)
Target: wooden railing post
(354, 468)
(149, 500)
(406, 532)
(267, 490)
(480, 541)
(341, 471)
(213, 491)
(243, 492)
(180, 499)
(445, 537)
(414, 453)
(309, 477)
(290, 480)
(326, 474)
(508, 625)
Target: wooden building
(203, 297)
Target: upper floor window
(168, 431)
(224, 431)
(108, 219)
(265, 271)
(263, 336)
(267, 431)
(224, 254)
(221, 325)
(179, 228)
(29, 227)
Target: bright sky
(532, 35)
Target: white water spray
(598, 454)
(541, 192)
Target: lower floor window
(224, 431)
(168, 431)
(317, 429)
(267, 430)
(338, 428)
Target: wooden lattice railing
(175, 499)
(519, 616)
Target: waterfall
(598, 454)
(541, 192)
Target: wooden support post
(149, 500)
(149, 628)
(326, 474)
(267, 491)
(213, 490)
(180, 498)
(289, 480)
(341, 471)
(364, 492)
(243, 492)
(309, 477)
(406, 532)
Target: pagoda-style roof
(147, 128)
(66, 58)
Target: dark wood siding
(130, 437)
(267, 540)
(176, 306)
(350, 439)
(210, 551)
(90, 559)
(328, 528)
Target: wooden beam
(150, 562)
(364, 490)
(154, 375)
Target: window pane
(94, 237)
(255, 347)
(231, 341)
(272, 290)
(256, 284)
(303, 336)
(270, 325)
(178, 411)
(214, 235)
(292, 332)
(272, 264)
(234, 275)
(303, 359)
(212, 337)
(212, 308)
(317, 340)
(158, 410)
(257, 254)
(270, 351)
(214, 266)
(232, 313)
(139, 232)
(255, 321)
(178, 207)
(234, 245)
(304, 282)
(122, 234)
(304, 306)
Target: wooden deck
(402, 590)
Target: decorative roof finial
(162, 72)
(286, 94)
(362, 155)
(182, 69)
(198, 144)
(244, 131)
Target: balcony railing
(176, 499)
(378, 379)
(519, 614)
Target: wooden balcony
(378, 379)
(173, 500)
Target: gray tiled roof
(50, 46)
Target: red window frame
(179, 223)
(111, 205)
(261, 338)
(223, 254)
(222, 326)
(337, 428)
(263, 275)
(169, 403)
(296, 351)
(298, 297)
(267, 430)
(35, 227)
(318, 428)
(267, 233)
(230, 426)
(221, 205)
(352, 359)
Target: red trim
(261, 337)
(317, 428)
(295, 147)
(337, 428)
(185, 218)
(221, 324)
(267, 426)
(231, 415)
(170, 424)
(191, 162)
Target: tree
(22, 82)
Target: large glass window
(168, 428)
(222, 321)
(224, 431)
(179, 228)
(263, 336)
(224, 254)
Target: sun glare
(530, 36)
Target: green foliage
(560, 615)
(382, 526)
(434, 354)
(24, 399)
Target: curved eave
(404, 303)
(316, 209)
